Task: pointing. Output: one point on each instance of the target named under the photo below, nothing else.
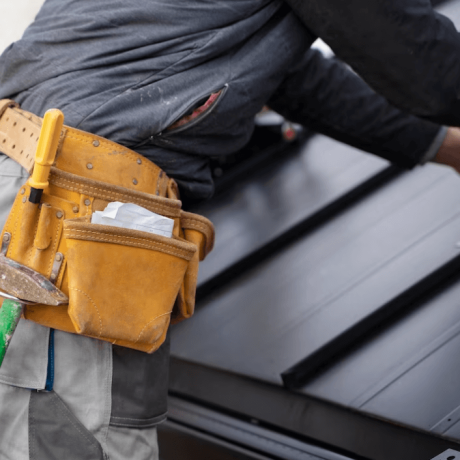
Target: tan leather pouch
(123, 283)
(123, 287)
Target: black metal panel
(426, 394)
(241, 434)
(330, 286)
(358, 434)
(284, 195)
(182, 443)
(394, 351)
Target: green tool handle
(10, 313)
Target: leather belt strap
(80, 153)
(18, 134)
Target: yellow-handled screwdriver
(46, 153)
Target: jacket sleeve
(328, 97)
(402, 48)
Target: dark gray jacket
(404, 49)
(128, 71)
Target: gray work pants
(72, 421)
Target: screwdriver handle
(46, 152)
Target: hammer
(25, 287)
(22, 284)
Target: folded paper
(129, 215)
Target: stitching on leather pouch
(32, 248)
(109, 147)
(103, 194)
(16, 221)
(53, 250)
(95, 306)
(196, 225)
(68, 234)
(154, 319)
(138, 238)
(56, 177)
(190, 218)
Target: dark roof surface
(330, 308)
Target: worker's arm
(449, 152)
(328, 97)
(402, 48)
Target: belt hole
(4, 140)
(14, 124)
(14, 146)
(23, 130)
(31, 134)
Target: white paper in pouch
(129, 215)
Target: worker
(176, 82)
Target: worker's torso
(128, 70)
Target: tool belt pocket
(123, 283)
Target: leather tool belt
(125, 286)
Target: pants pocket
(55, 433)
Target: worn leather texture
(122, 284)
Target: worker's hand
(449, 152)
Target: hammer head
(27, 284)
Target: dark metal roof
(329, 312)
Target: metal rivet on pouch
(6, 237)
(59, 214)
(96, 143)
(139, 161)
(24, 199)
(58, 257)
(23, 190)
(75, 209)
(135, 181)
(89, 166)
(87, 202)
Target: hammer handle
(10, 313)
